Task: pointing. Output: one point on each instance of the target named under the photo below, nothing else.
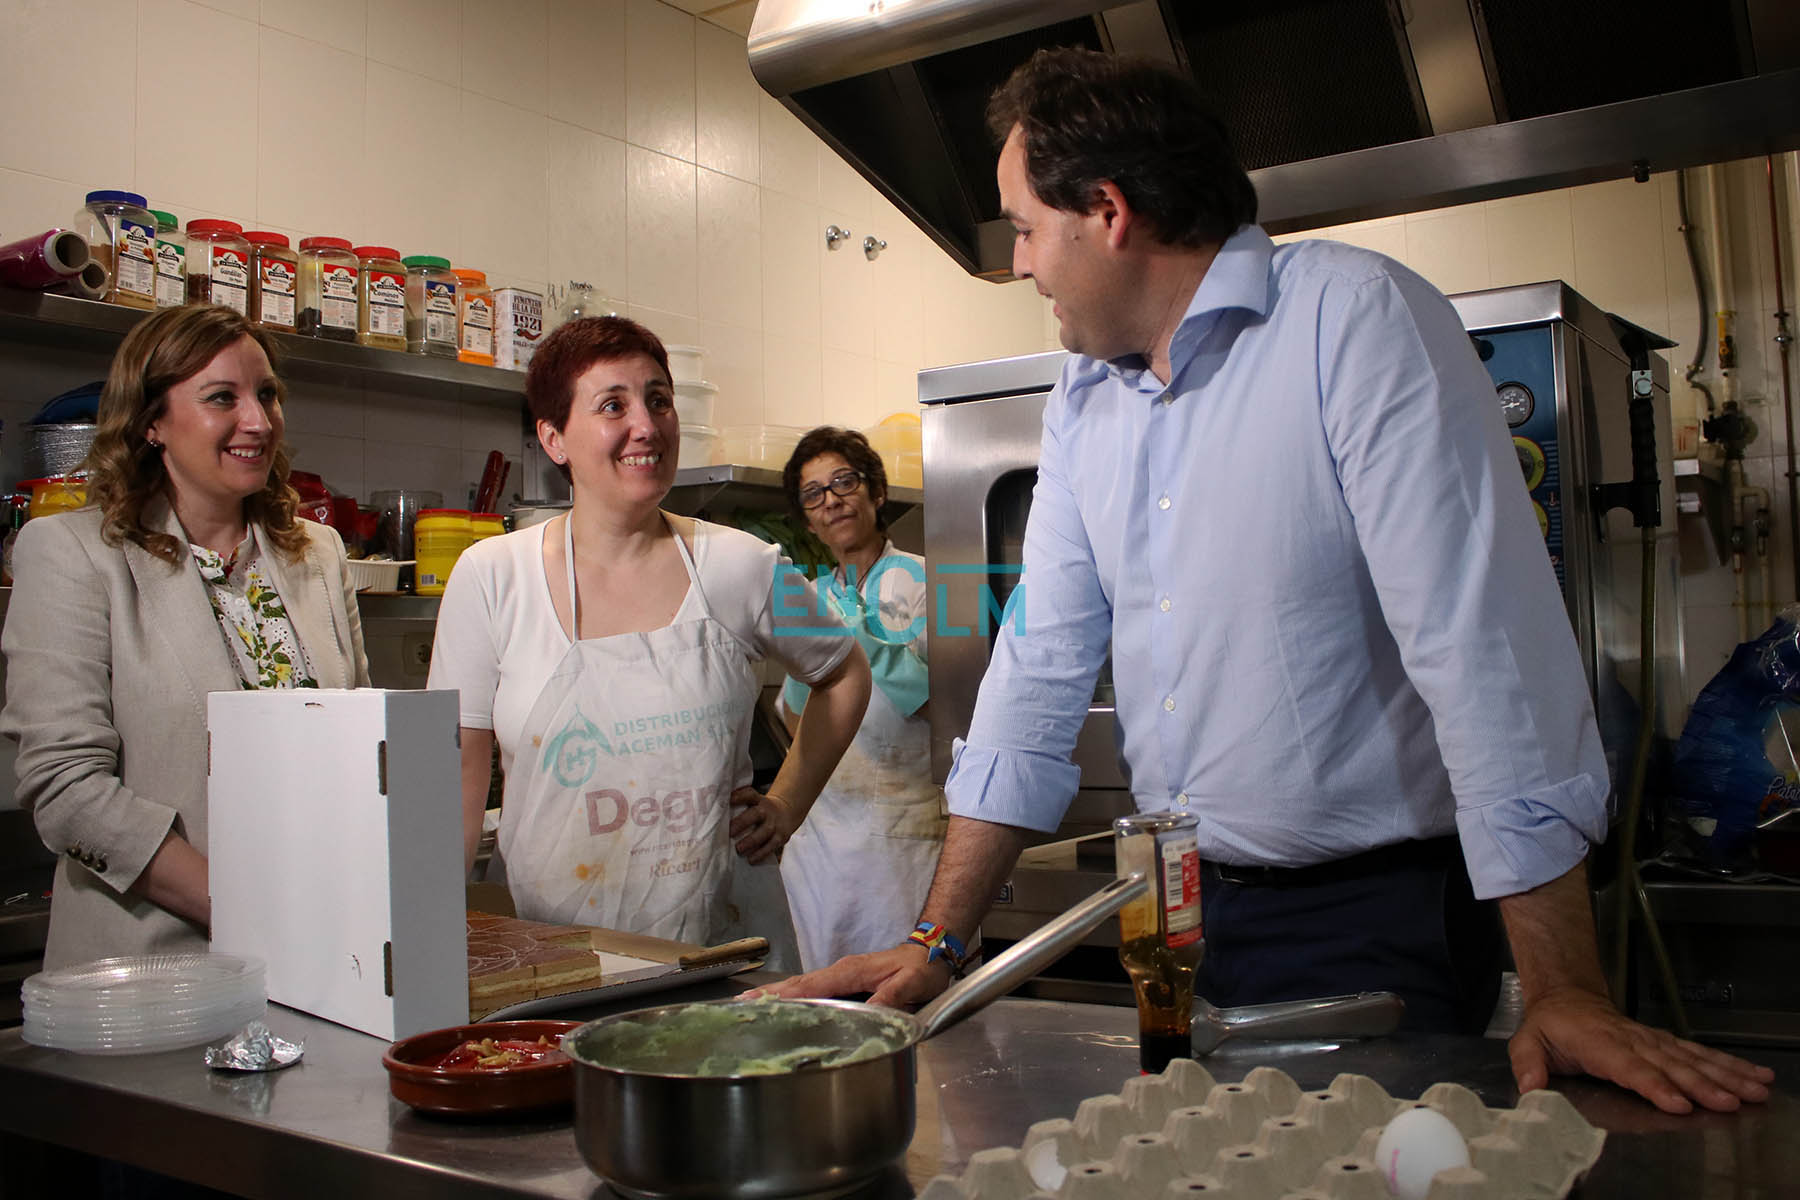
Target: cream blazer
(110, 654)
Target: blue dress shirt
(1333, 622)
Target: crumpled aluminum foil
(254, 1048)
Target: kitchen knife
(743, 948)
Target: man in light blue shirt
(1275, 481)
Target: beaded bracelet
(941, 943)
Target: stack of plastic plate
(143, 1003)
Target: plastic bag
(1735, 768)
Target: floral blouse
(252, 618)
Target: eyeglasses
(842, 484)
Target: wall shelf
(46, 319)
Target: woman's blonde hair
(126, 472)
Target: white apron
(625, 769)
(859, 866)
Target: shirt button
(1165, 604)
(1163, 501)
(1182, 799)
(1168, 398)
(1168, 704)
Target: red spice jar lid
(209, 225)
(325, 243)
(264, 237)
(376, 252)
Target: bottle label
(440, 311)
(277, 292)
(230, 271)
(337, 296)
(134, 262)
(1181, 894)
(478, 326)
(387, 303)
(171, 274)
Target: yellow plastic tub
(439, 537)
(485, 525)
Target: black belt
(1431, 852)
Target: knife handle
(750, 947)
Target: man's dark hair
(1089, 117)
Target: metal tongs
(1365, 1014)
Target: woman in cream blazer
(111, 647)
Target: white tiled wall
(624, 143)
(619, 142)
(1620, 245)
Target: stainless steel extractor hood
(1343, 109)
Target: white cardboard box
(334, 851)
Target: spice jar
(328, 275)
(218, 264)
(171, 261)
(474, 317)
(274, 271)
(380, 298)
(430, 305)
(121, 236)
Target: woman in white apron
(625, 746)
(858, 870)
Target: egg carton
(1181, 1134)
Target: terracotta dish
(481, 1091)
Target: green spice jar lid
(427, 260)
(165, 220)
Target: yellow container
(897, 440)
(485, 525)
(59, 493)
(440, 535)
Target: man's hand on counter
(1574, 1032)
(1571, 1027)
(897, 978)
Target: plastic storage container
(758, 445)
(430, 305)
(171, 261)
(218, 264)
(485, 525)
(694, 401)
(274, 275)
(687, 364)
(439, 537)
(381, 298)
(329, 272)
(474, 317)
(699, 445)
(58, 493)
(897, 439)
(121, 235)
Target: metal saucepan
(654, 1119)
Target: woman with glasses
(858, 870)
(610, 651)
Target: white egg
(1416, 1145)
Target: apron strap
(687, 562)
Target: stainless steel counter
(329, 1125)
